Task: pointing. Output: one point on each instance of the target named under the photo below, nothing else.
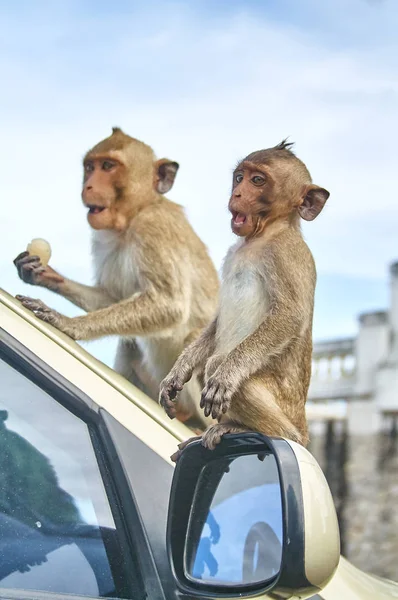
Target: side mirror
(254, 515)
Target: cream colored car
(91, 505)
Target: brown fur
(256, 355)
(156, 286)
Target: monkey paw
(212, 436)
(29, 268)
(169, 388)
(174, 457)
(216, 396)
(46, 314)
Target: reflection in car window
(56, 527)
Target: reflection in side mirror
(239, 540)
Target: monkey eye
(238, 177)
(89, 167)
(258, 180)
(107, 165)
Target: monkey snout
(88, 194)
(88, 189)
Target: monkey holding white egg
(33, 265)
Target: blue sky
(205, 83)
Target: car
(92, 505)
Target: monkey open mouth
(238, 218)
(93, 209)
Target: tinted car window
(57, 532)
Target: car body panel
(350, 583)
(146, 420)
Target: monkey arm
(193, 356)
(277, 330)
(142, 314)
(89, 298)
(198, 351)
(31, 271)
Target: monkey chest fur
(116, 265)
(118, 271)
(243, 304)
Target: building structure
(356, 378)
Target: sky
(205, 83)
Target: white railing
(333, 370)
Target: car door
(72, 482)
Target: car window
(57, 533)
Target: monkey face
(102, 187)
(251, 199)
(269, 185)
(121, 176)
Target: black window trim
(144, 580)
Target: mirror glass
(235, 529)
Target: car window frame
(143, 578)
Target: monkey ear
(313, 202)
(165, 173)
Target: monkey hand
(48, 315)
(217, 393)
(31, 270)
(212, 365)
(169, 388)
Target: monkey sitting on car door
(256, 354)
(156, 286)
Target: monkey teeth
(238, 218)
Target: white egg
(41, 248)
